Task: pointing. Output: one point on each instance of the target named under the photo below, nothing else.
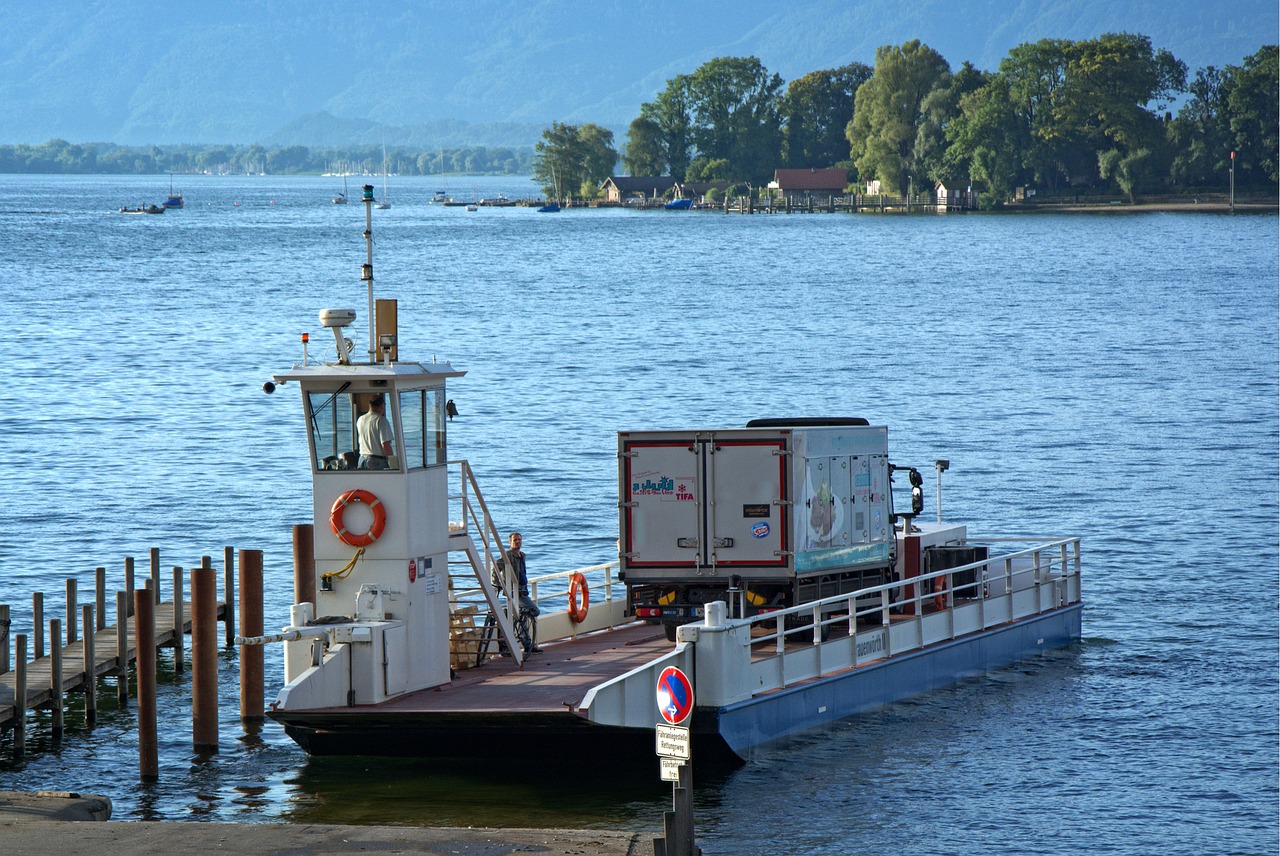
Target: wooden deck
(76, 676)
(555, 679)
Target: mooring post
(251, 656)
(304, 563)
(4, 638)
(90, 679)
(128, 584)
(229, 594)
(122, 650)
(100, 598)
(179, 620)
(37, 622)
(204, 660)
(144, 629)
(155, 572)
(20, 700)
(55, 676)
(73, 613)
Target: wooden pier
(84, 648)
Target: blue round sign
(675, 695)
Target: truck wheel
(669, 629)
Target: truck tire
(669, 628)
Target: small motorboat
(144, 209)
(679, 205)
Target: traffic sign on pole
(675, 695)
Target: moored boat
(772, 553)
(174, 200)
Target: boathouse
(620, 188)
(802, 185)
(955, 195)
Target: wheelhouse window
(422, 420)
(332, 420)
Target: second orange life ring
(578, 588)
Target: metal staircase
(494, 593)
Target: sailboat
(175, 199)
(341, 198)
(554, 205)
(385, 202)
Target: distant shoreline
(1096, 208)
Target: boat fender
(579, 598)
(339, 508)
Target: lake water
(1112, 376)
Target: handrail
(1044, 557)
(487, 529)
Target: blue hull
(751, 723)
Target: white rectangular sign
(670, 769)
(673, 741)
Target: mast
(366, 270)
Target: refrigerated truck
(775, 514)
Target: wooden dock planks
(40, 690)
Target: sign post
(673, 744)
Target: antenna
(366, 270)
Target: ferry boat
(766, 563)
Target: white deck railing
(739, 658)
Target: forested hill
(491, 72)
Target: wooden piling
(304, 563)
(100, 597)
(37, 622)
(144, 628)
(128, 584)
(155, 572)
(20, 700)
(4, 638)
(251, 656)
(90, 657)
(179, 621)
(204, 659)
(73, 613)
(122, 650)
(55, 677)
(229, 594)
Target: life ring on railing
(340, 529)
(578, 587)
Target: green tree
(987, 141)
(1034, 76)
(710, 169)
(1200, 134)
(671, 112)
(645, 153)
(1252, 103)
(572, 157)
(887, 111)
(735, 105)
(1130, 170)
(1110, 82)
(939, 109)
(816, 110)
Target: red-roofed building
(815, 184)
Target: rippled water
(1112, 376)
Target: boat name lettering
(874, 645)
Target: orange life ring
(578, 586)
(340, 506)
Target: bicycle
(525, 630)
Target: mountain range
(492, 72)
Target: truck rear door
(700, 502)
